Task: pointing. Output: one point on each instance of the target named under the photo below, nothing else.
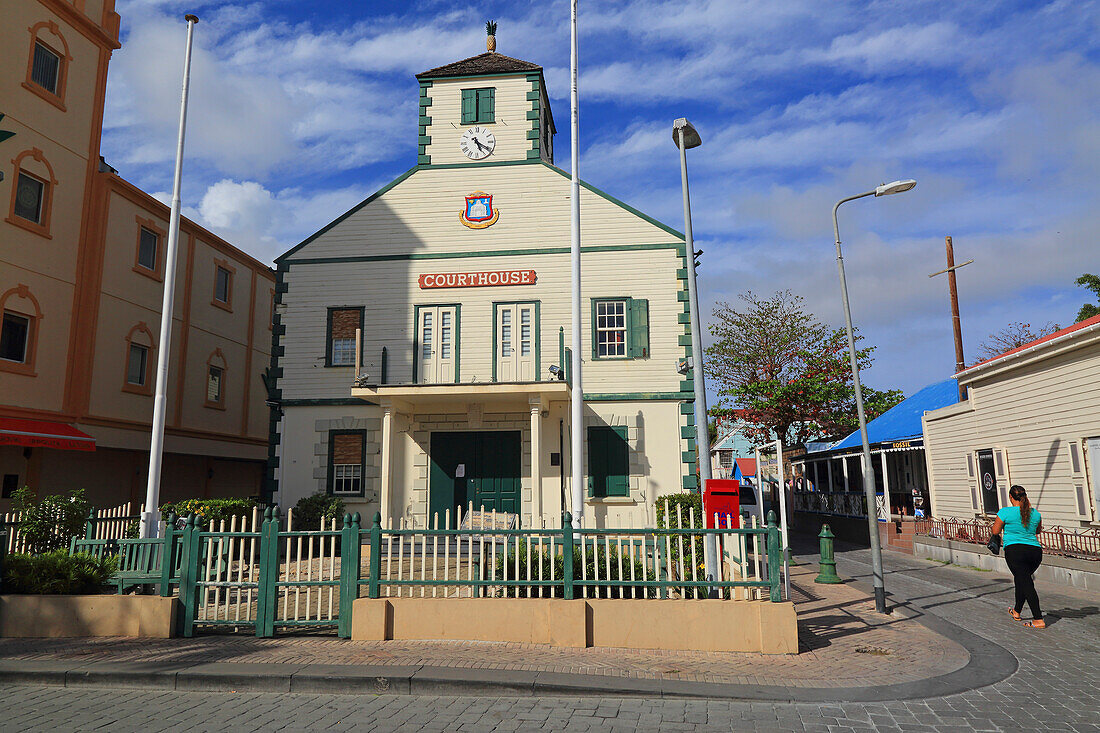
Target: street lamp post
(868, 471)
(685, 136)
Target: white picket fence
(528, 564)
(110, 524)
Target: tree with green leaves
(1088, 310)
(788, 372)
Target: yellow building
(82, 256)
(457, 277)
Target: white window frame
(345, 475)
(604, 348)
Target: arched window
(140, 357)
(48, 65)
(32, 192)
(21, 322)
(215, 381)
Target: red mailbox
(722, 497)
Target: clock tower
(488, 109)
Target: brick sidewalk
(838, 630)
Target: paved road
(1055, 688)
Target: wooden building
(1031, 417)
(457, 277)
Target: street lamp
(685, 136)
(868, 472)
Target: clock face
(477, 143)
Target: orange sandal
(1015, 614)
(1036, 624)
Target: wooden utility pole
(960, 362)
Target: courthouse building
(82, 258)
(457, 277)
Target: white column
(829, 473)
(384, 498)
(536, 459)
(844, 468)
(885, 485)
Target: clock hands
(478, 143)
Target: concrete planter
(698, 625)
(60, 616)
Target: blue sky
(301, 109)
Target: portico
(445, 446)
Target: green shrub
(207, 510)
(310, 509)
(590, 560)
(687, 503)
(57, 573)
(50, 524)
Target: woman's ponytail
(1019, 494)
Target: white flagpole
(576, 422)
(151, 515)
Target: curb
(989, 663)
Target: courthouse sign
(493, 278)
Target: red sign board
(491, 278)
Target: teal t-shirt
(1015, 531)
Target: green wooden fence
(258, 579)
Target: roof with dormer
(489, 62)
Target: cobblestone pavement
(1055, 688)
(838, 627)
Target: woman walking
(1023, 553)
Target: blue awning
(903, 421)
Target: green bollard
(828, 562)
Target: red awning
(42, 434)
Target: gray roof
(484, 63)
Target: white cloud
(266, 223)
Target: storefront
(830, 480)
(420, 358)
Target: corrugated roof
(489, 62)
(903, 420)
(1032, 344)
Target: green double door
(479, 467)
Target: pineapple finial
(491, 32)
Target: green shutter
(618, 462)
(639, 328)
(608, 461)
(486, 105)
(469, 106)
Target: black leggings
(1023, 561)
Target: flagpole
(576, 422)
(151, 516)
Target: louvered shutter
(597, 461)
(1004, 479)
(469, 106)
(618, 462)
(639, 328)
(1077, 478)
(486, 105)
(975, 485)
